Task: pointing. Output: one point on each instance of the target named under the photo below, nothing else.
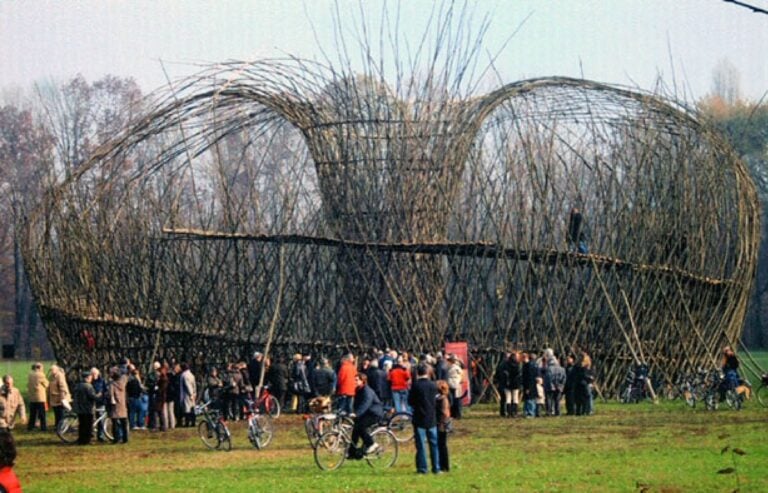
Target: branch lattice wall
(336, 210)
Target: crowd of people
(540, 381)
(429, 387)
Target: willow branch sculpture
(402, 216)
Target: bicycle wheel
(207, 433)
(107, 421)
(223, 437)
(260, 430)
(762, 395)
(711, 401)
(385, 454)
(331, 450)
(401, 425)
(309, 428)
(733, 399)
(269, 405)
(67, 430)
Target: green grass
(666, 447)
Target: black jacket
(323, 381)
(422, 398)
(514, 380)
(377, 380)
(367, 403)
(530, 372)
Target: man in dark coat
(502, 377)
(277, 378)
(84, 405)
(423, 398)
(368, 412)
(514, 382)
(254, 368)
(324, 379)
(377, 379)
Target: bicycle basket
(320, 404)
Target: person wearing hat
(84, 405)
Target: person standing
(14, 403)
(529, 374)
(455, 379)
(443, 410)
(151, 385)
(502, 379)
(554, 384)
(399, 381)
(100, 387)
(345, 383)
(119, 409)
(58, 391)
(277, 378)
(188, 388)
(84, 405)
(135, 390)
(423, 400)
(324, 379)
(37, 387)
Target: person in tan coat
(119, 409)
(58, 391)
(13, 403)
(37, 387)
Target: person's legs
(420, 438)
(434, 454)
(85, 425)
(442, 448)
(58, 413)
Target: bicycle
(636, 385)
(213, 430)
(260, 427)
(267, 403)
(67, 430)
(333, 446)
(717, 387)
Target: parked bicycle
(67, 430)
(333, 447)
(213, 430)
(267, 403)
(636, 386)
(260, 427)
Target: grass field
(644, 447)
(665, 447)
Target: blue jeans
(134, 410)
(421, 436)
(400, 397)
(345, 403)
(530, 408)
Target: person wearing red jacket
(345, 383)
(400, 380)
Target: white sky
(615, 41)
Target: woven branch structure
(283, 202)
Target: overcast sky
(615, 41)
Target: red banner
(461, 350)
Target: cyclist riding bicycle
(368, 412)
